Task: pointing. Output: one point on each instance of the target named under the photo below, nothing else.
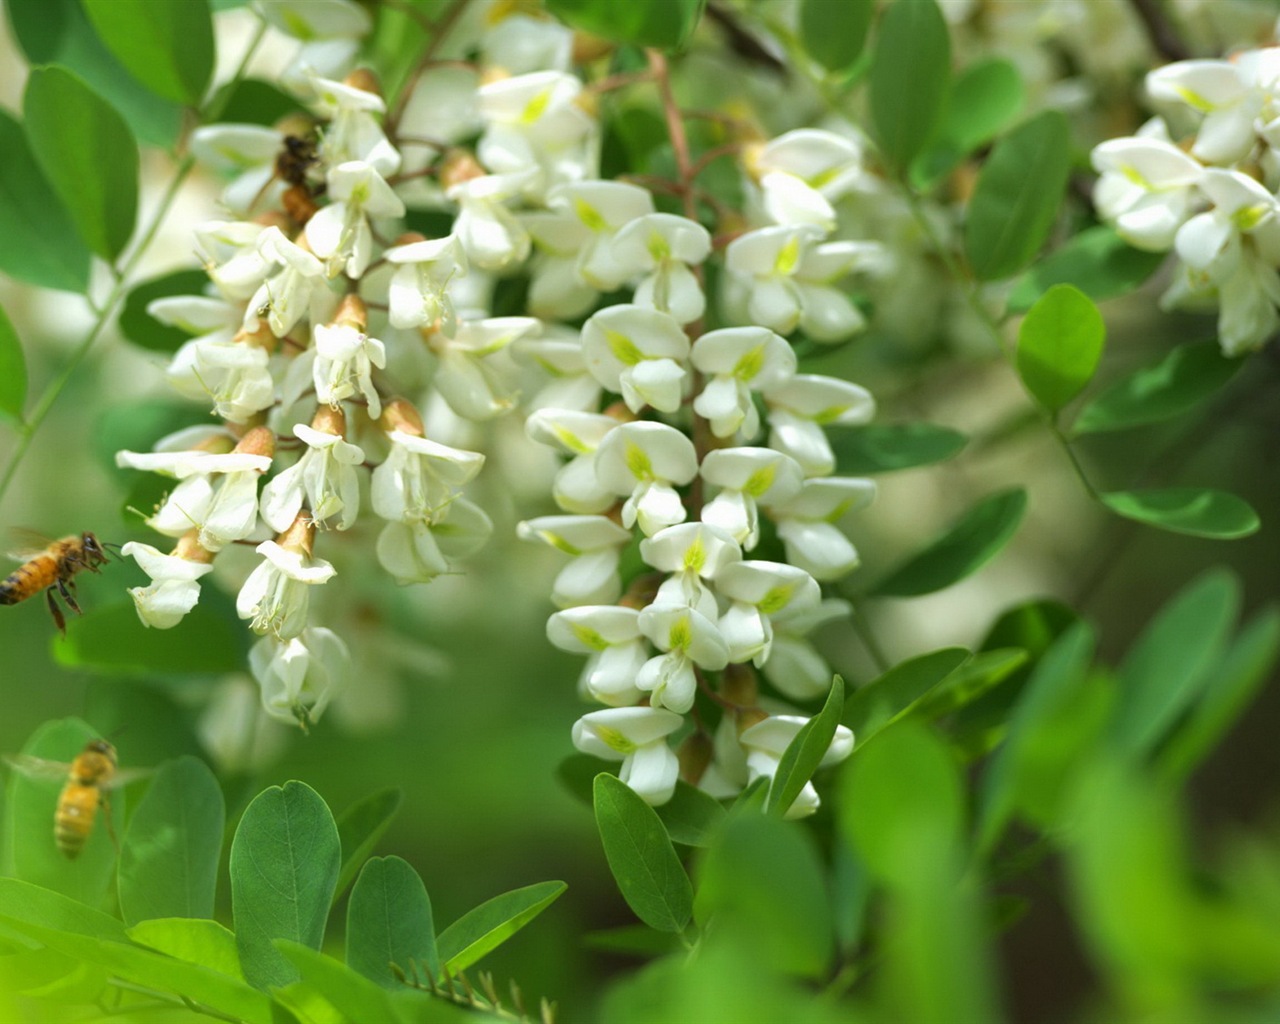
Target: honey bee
(53, 570)
(86, 782)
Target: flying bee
(53, 570)
(86, 782)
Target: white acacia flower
(339, 234)
(420, 478)
(324, 480)
(690, 639)
(330, 32)
(223, 510)
(595, 545)
(794, 666)
(521, 43)
(807, 525)
(466, 377)
(738, 360)
(556, 290)
(414, 551)
(418, 295)
(800, 407)
(1218, 91)
(175, 584)
(603, 208)
(535, 119)
(746, 477)
(228, 252)
(300, 288)
(766, 742)
(236, 731)
(490, 234)
(1147, 189)
(766, 260)
(277, 593)
(610, 636)
(659, 248)
(690, 553)
(638, 738)
(803, 171)
(826, 314)
(353, 132)
(758, 591)
(558, 353)
(639, 353)
(645, 462)
(300, 675)
(249, 152)
(344, 362)
(576, 487)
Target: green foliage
(690, 816)
(195, 940)
(892, 696)
(909, 79)
(38, 242)
(641, 857)
(483, 929)
(1017, 198)
(1198, 511)
(141, 328)
(1097, 261)
(360, 827)
(1176, 383)
(805, 752)
(389, 922)
(169, 863)
(1059, 346)
(834, 34)
(167, 47)
(284, 868)
(973, 541)
(885, 447)
(13, 370)
(665, 24)
(88, 155)
(986, 96)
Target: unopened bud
(694, 754)
(620, 412)
(190, 548)
(217, 444)
(259, 336)
(399, 414)
(587, 48)
(738, 685)
(329, 420)
(642, 591)
(410, 238)
(351, 313)
(459, 166)
(364, 80)
(301, 534)
(747, 717)
(258, 441)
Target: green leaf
(77, 931)
(885, 700)
(38, 242)
(805, 752)
(167, 47)
(169, 860)
(690, 816)
(88, 154)
(284, 866)
(1097, 261)
(665, 24)
(1059, 345)
(1017, 197)
(901, 795)
(30, 804)
(253, 101)
(1028, 771)
(360, 827)
(114, 640)
(834, 34)
(13, 370)
(1197, 511)
(389, 922)
(1231, 684)
(144, 330)
(974, 679)
(986, 96)
(885, 447)
(909, 78)
(972, 542)
(195, 940)
(1170, 662)
(353, 996)
(1178, 382)
(59, 32)
(762, 879)
(483, 929)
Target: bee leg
(66, 589)
(58, 619)
(105, 804)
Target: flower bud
(400, 414)
(745, 718)
(694, 754)
(330, 420)
(351, 312)
(190, 548)
(459, 166)
(301, 535)
(738, 686)
(365, 80)
(260, 336)
(257, 441)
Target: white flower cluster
(314, 323)
(1202, 180)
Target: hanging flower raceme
(276, 596)
(324, 479)
(175, 580)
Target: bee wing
(38, 767)
(125, 776)
(25, 544)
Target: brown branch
(1164, 37)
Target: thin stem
(1164, 37)
(163, 998)
(620, 81)
(712, 155)
(438, 30)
